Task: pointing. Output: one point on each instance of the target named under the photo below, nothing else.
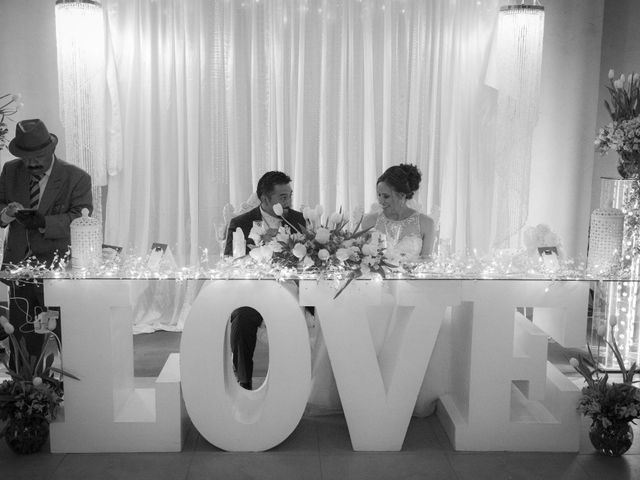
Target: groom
(273, 188)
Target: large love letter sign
(227, 415)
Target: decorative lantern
(605, 238)
(86, 241)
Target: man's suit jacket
(68, 191)
(245, 222)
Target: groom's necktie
(34, 190)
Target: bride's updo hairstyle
(404, 178)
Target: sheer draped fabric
(206, 95)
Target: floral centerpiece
(611, 406)
(326, 247)
(622, 135)
(9, 104)
(31, 398)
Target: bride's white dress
(403, 241)
(403, 237)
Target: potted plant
(611, 406)
(31, 398)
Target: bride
(409, 234)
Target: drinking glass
(220, 229)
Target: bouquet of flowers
(607, 403)
(9, 104)
(325, 247)
(31, 398)
(622, 135)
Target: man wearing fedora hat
(40, 195)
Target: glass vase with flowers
(612, 406)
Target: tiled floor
(319, 448)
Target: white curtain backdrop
(207, 95)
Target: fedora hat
(32, 138)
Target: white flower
(364, 269)
(622, 78)
(299, 250)
(574, 362)
(278, 210)
(4, 321)
(342, 254)
(282, 235)
(37, 381)
(322, 235)
(324, 254)
(335, 218)
(307, 262)
(368, 249)
(276, 247)
(51, 324)
(261, 254)
(8, 328)
(257, 231)
(319, 210)
(602, 330)
(611, 74)
(617, 84)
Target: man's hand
(12, 208)
(31, 219)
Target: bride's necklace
(403, 215)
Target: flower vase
(27, 435)
(612, 440)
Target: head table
(462, 342)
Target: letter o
(225, 414)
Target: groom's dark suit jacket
(245, 222)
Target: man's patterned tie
(34, 191)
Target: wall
(28, 63)
(562, 157)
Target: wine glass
(220, 229)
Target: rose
(323, 254)
(262, 253)
(368, 249)
(342, 254)
(299, 250)
(278, 210)
(322, 235)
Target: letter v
(378, 391)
